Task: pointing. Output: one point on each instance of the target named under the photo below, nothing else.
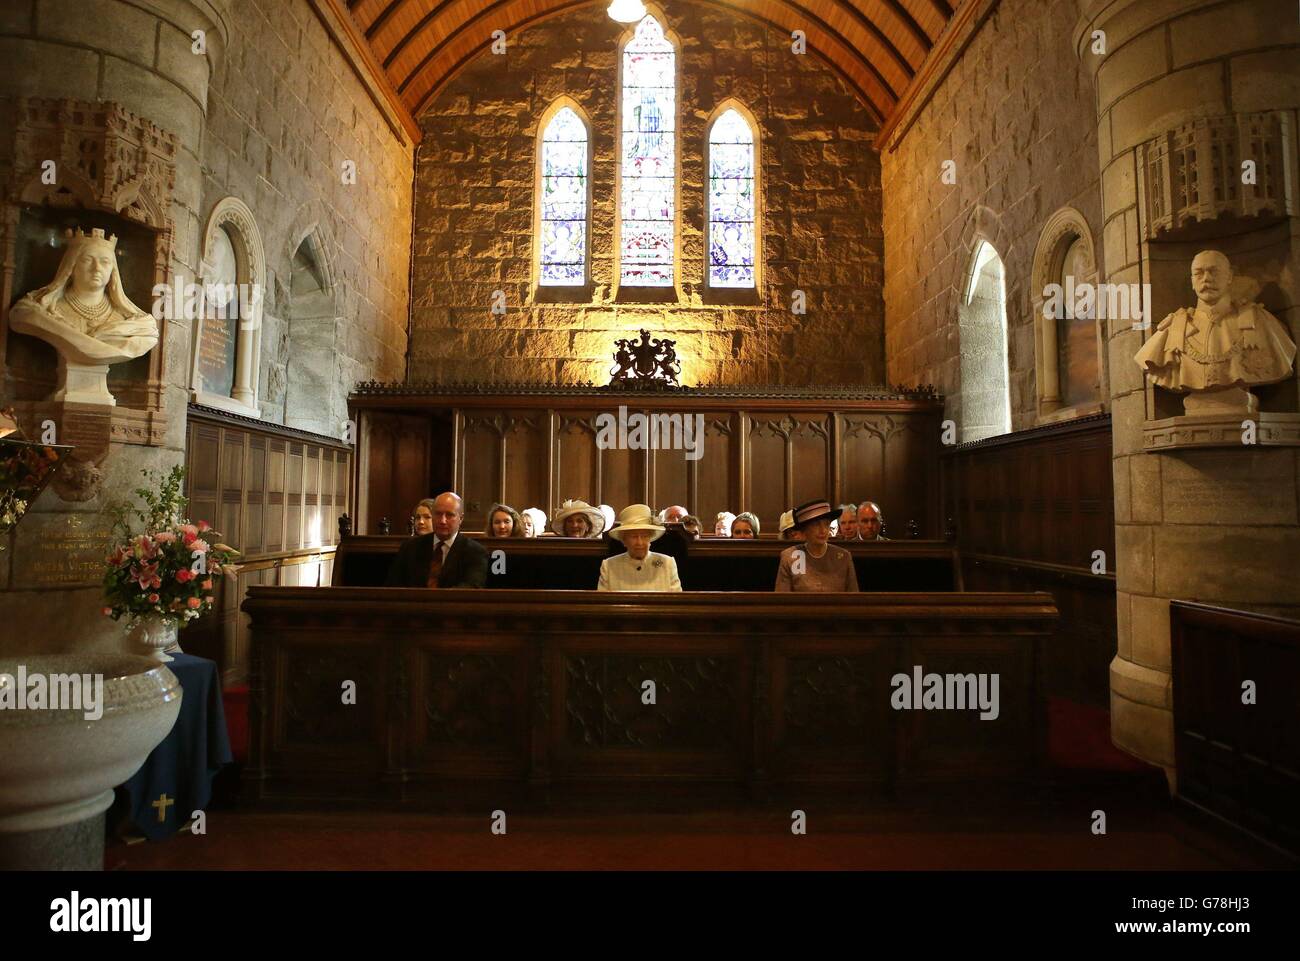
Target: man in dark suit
(441, 558)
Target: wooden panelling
(520, 687)
(394, 469)
(758, 453)
(1237, 759)
(1030, 509)
(256, 484)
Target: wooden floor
(1049, 831)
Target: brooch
(658, 563)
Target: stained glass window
(731, 202)
(647, 171)
(564, 201)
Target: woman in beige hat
(640, 569)
(816, 564)
(578, 519)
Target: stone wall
(284, 112)
(268, 113)
(821, 213)
(1219, 525)
(1016, 114)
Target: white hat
(637, 517)
(727, 518)
(606, 512)
(569, 508)
(538, 517)
(787, 522)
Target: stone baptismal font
(1214, 352)
(86, 316)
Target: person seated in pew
(672, 515)
(722, 525)
(816, 565)
(503, 521)
(745, 526)
(639, 568)
(577, 518)
(441, 558)
(848, 527)
(423, 517)
(871, 522)
(789, 532)
(691, 525)
(533, 521)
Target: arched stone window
(319, 372)
(227, 342)
(982, 324)
(647, 169)
(732, 199)
(1069, 354)
(563, 197)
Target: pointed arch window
(733, 201)
(648, 158)
(563, 200)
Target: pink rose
(108, 612)
(164, 537)
(185, 575)
(207, 584)
(198, 546)
(153, 598)
(204, 526)
(193, 603)
(189, 529)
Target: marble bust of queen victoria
(1218, 349)
(86, 316)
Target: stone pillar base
(1141, 714)
(70, 847)
(83, 384)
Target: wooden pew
(561, 563)
(473, 694)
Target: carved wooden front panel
(696, 702)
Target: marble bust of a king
(1214, 352)
(86, 316)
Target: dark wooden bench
(555, 563)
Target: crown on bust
(80, 238)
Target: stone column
(1212, 525)
(141, 56)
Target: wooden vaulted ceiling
(878, 46)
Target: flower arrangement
(166, 571)
(25, 468)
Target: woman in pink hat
(816, 564)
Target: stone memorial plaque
(219, 334)
(217, 355)
(60, 550)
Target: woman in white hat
(640, 569)
(578, 519)
(816, 564)
(533, 521)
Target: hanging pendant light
(626, 11)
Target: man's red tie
(435, 567)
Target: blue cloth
(184, 764)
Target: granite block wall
(820, 209)
(1016, 114)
